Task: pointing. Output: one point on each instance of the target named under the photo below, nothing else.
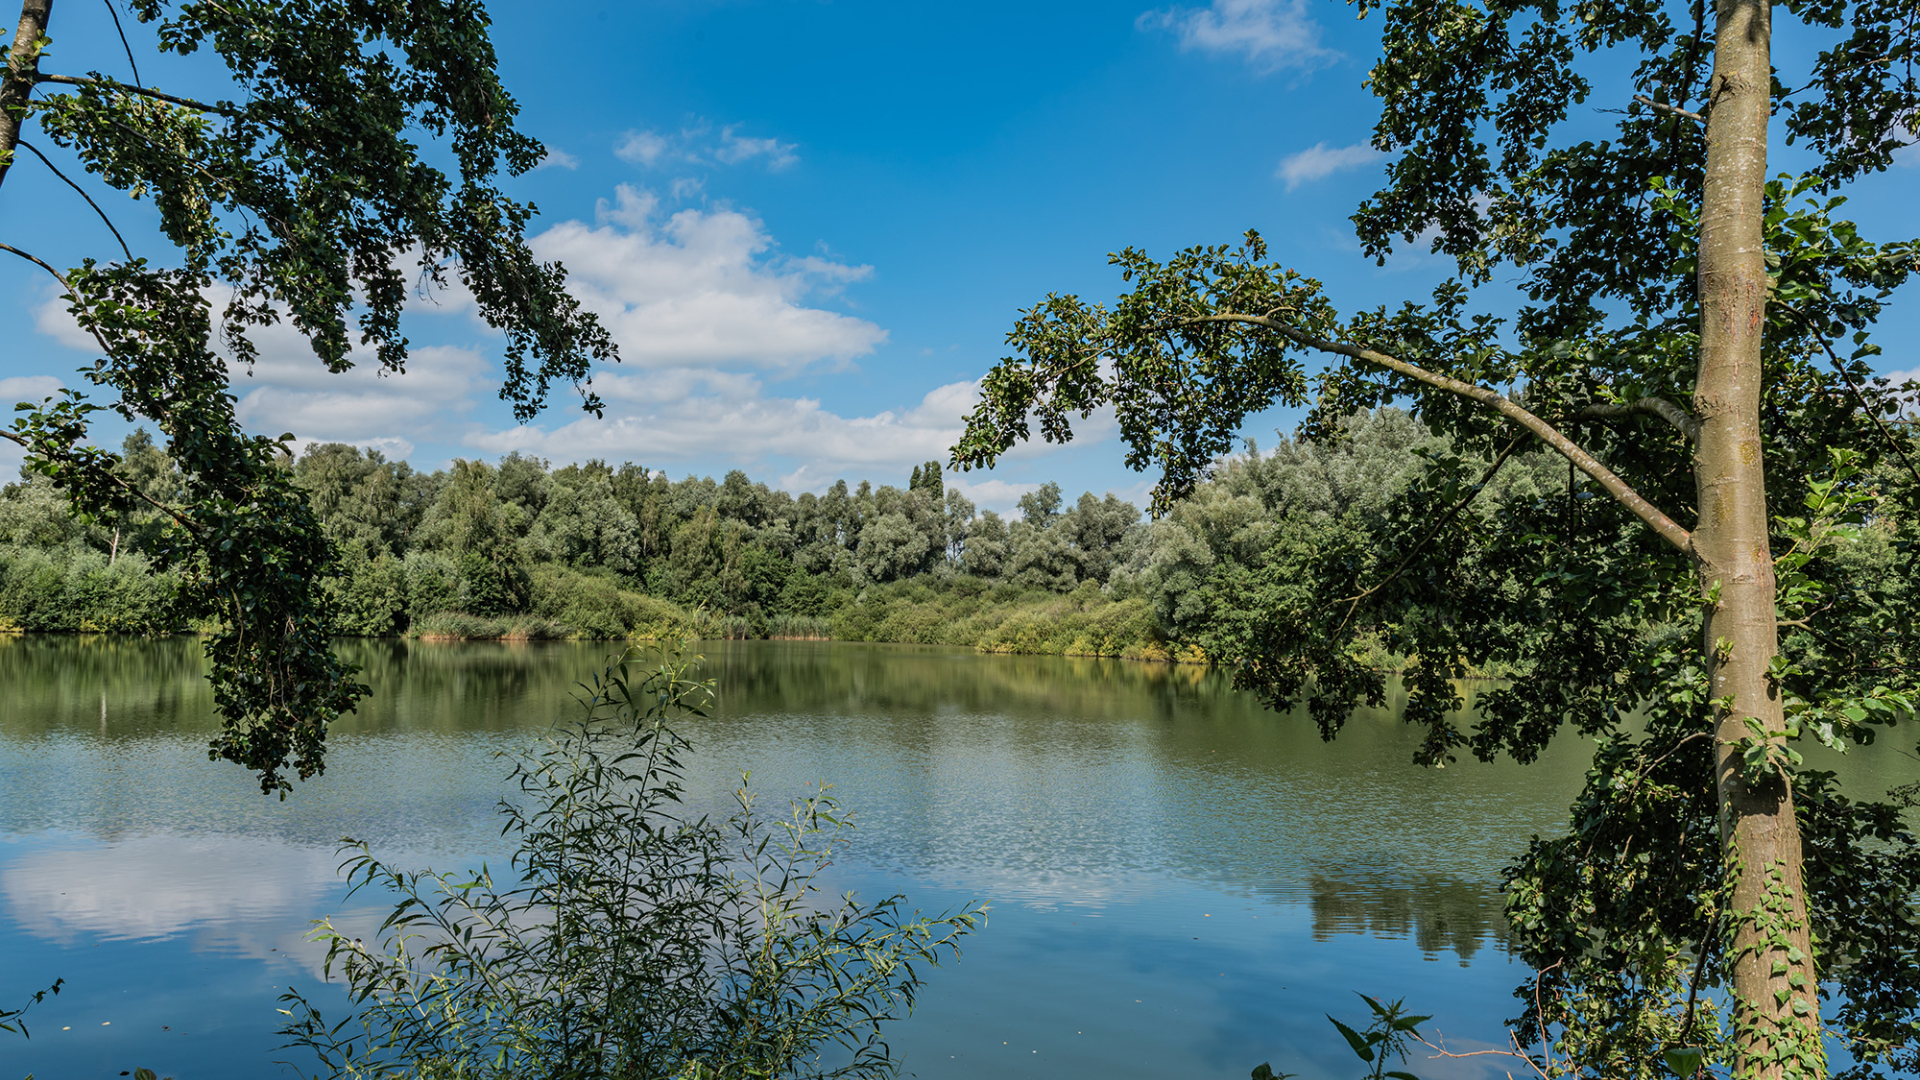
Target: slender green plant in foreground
(635, 939)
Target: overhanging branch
(114, 84)
(1619, 489)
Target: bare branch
(115, 12)
(64, 284)
(82, 193)
(1674, 110)
(114, 84)
(1666, 410)
(1619, 489)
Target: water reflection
(1440, 914)
(1180, 879)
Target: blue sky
(810, 224)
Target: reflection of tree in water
(1436, 911)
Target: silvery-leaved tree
(1689, 330)
(306, 196)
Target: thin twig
(65, 284)
(1834, 358)
(1661, 106)
(115, 12)
(83, 194)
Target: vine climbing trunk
(1775, 1008)
(17, 82)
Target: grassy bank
(1085, 622)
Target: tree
(261, 203)
(1660, 267)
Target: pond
(1182, 884)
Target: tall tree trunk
(1776, 1005)
(16, 86)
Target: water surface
(1182, 884)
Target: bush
(460, 626)
(597, 606)
(432, 584)
(639, 941)
(78, 589)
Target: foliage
(1591, 589)
(257, 205)
(636, 938)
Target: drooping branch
(1619, 489)
(115, 84)
(1666, 410)
(82, 193)
(124, 43)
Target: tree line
(595, 550)
(519, 539)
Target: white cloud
(734, 149)
(290, 390)
(643, 148)
(559, 159)
(1268, 34)
(705, 288)
(32, 388)
(699, 147)
(725, 416)
(1321, 161)
(1001, 496)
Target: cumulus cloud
(1002, 496)
(1321, 161)
(288, 390)
(1267, 34)
(27, 388)
(681, 414)
(705, 288)
(700, 147)
(558, 159)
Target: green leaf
(1685, 1061)
(1360, 1043)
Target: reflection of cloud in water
(234, 895)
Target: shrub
(640, 941)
